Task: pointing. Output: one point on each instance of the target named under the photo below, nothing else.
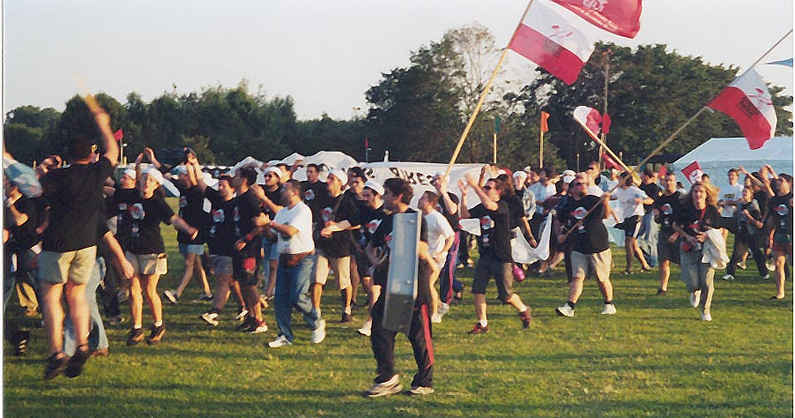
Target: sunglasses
(487, 188)
(579, 184)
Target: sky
(323, 54)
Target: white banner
(521, 250)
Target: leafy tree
(26, 130)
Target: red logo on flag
(693, 172)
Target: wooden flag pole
(483, 95)
(495, 148)
(700, 111)
(608, 150)
(541, 150)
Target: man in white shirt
(440, 239)
(631, 200)
(293, 227)
(729, 198)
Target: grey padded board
(401, 286)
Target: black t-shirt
(667, 206)
(780, 209)
(451, 219)
(743, 227)
(591, 236)
(381, 239)
(191, 209)
(495, 232)
(316, 197)
(246, 207)
(371, 219)
(75, 197)
(220, 232)
(653, 191)
(275, 196)
(347, 208)
(23, 236)
(361, 206)
(762, 199)
(516, 210)
(693, 220)
(118, 206)
(147, 215)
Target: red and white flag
(610, 162)
(693, 172)
(589, 118)
(118, 135)
(748, 102)
(553, 39)
(621, 17)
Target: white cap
(375, 187)
(567, 179)
(568, 173)
(520, 176)
(339, 174)
(273, 169)
(129, 173)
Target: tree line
(418, 111)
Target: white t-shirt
(300, 218)
(626, 200)
(734, 192)
(439, 231)
(543, 193)
(594, 190)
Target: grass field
(654, 358)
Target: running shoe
(241, 314)
(705, 316)
(390, 387)
(210, 318)
(420, 390)
(695, 298)
(609, 309)
(156, 334)
(259, 328)
(171, 295)
(136, 336)
(346, 317)
(280, 341)
(319, 333)
(366, 329)
(479, 329)
(526, 318)
(55, 366)
(75, 364)
(727, 277)
(565, 310)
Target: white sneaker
(727, 277)
(695, 298)
(771, 266)
(390, 387)
(262, 327)
(444, 308)
(210, 318)
(609, 309)
(436, 318)
(765, 277)
(705, 316)
(319, 333)
(565, 310)
(280, 341)
(420, 390)
(366, 328)
(242, 314)
(169, 294)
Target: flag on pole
(621, 17)
(118, 135)
(553, 40)
(606, 121)
(544, 118)
(662, 171)
(589, 118)
(748, 102)
(610, 162)
(497, 124)
(693, 172)
(366, 143)
(787, 62)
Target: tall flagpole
(606, 56)
(541, 142)
(700, 111)
(483, 95)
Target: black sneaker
(346, 317)
(526, 318)
(156, 334)
(248, 324)
(75, 364)
(661, 292)
(55, 366)
(136, 336)
(21, 342)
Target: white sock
(484, 323)
(158, 323)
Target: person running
(356, 181)
(248, 220)
(117, 208)
(220, 239)
(665, 209)
(494, 246)
(335, 242)
(730, 198)
(631, 200)
(147, 253)
(450, 288)
(779, 223)
(74, 195)
(293, 226)
(746, 223)
(397, 197)
(191, 209)
(587, 236)
(440, 239)
(371, 217)
(697, 214)
(649, 231)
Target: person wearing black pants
(449, 286)
(397, 196)
(747, 222)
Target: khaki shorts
(221, 265)
(341, 267)
(71, 266)
(597, 265)
(148, 263)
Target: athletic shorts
(362, 264)
(71, 266)
(221, 265)
(667, 250)
(341, 267)
(502, 272)
(186, 249)
(632, 226)
(147, 264)
(596, 265)
(244, 270)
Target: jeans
(97, 338)
(698, 276)
(647, 238)
(292, 288)
(448, 284)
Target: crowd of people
(270, 240)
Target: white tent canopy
(718, 155)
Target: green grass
(654, 358)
